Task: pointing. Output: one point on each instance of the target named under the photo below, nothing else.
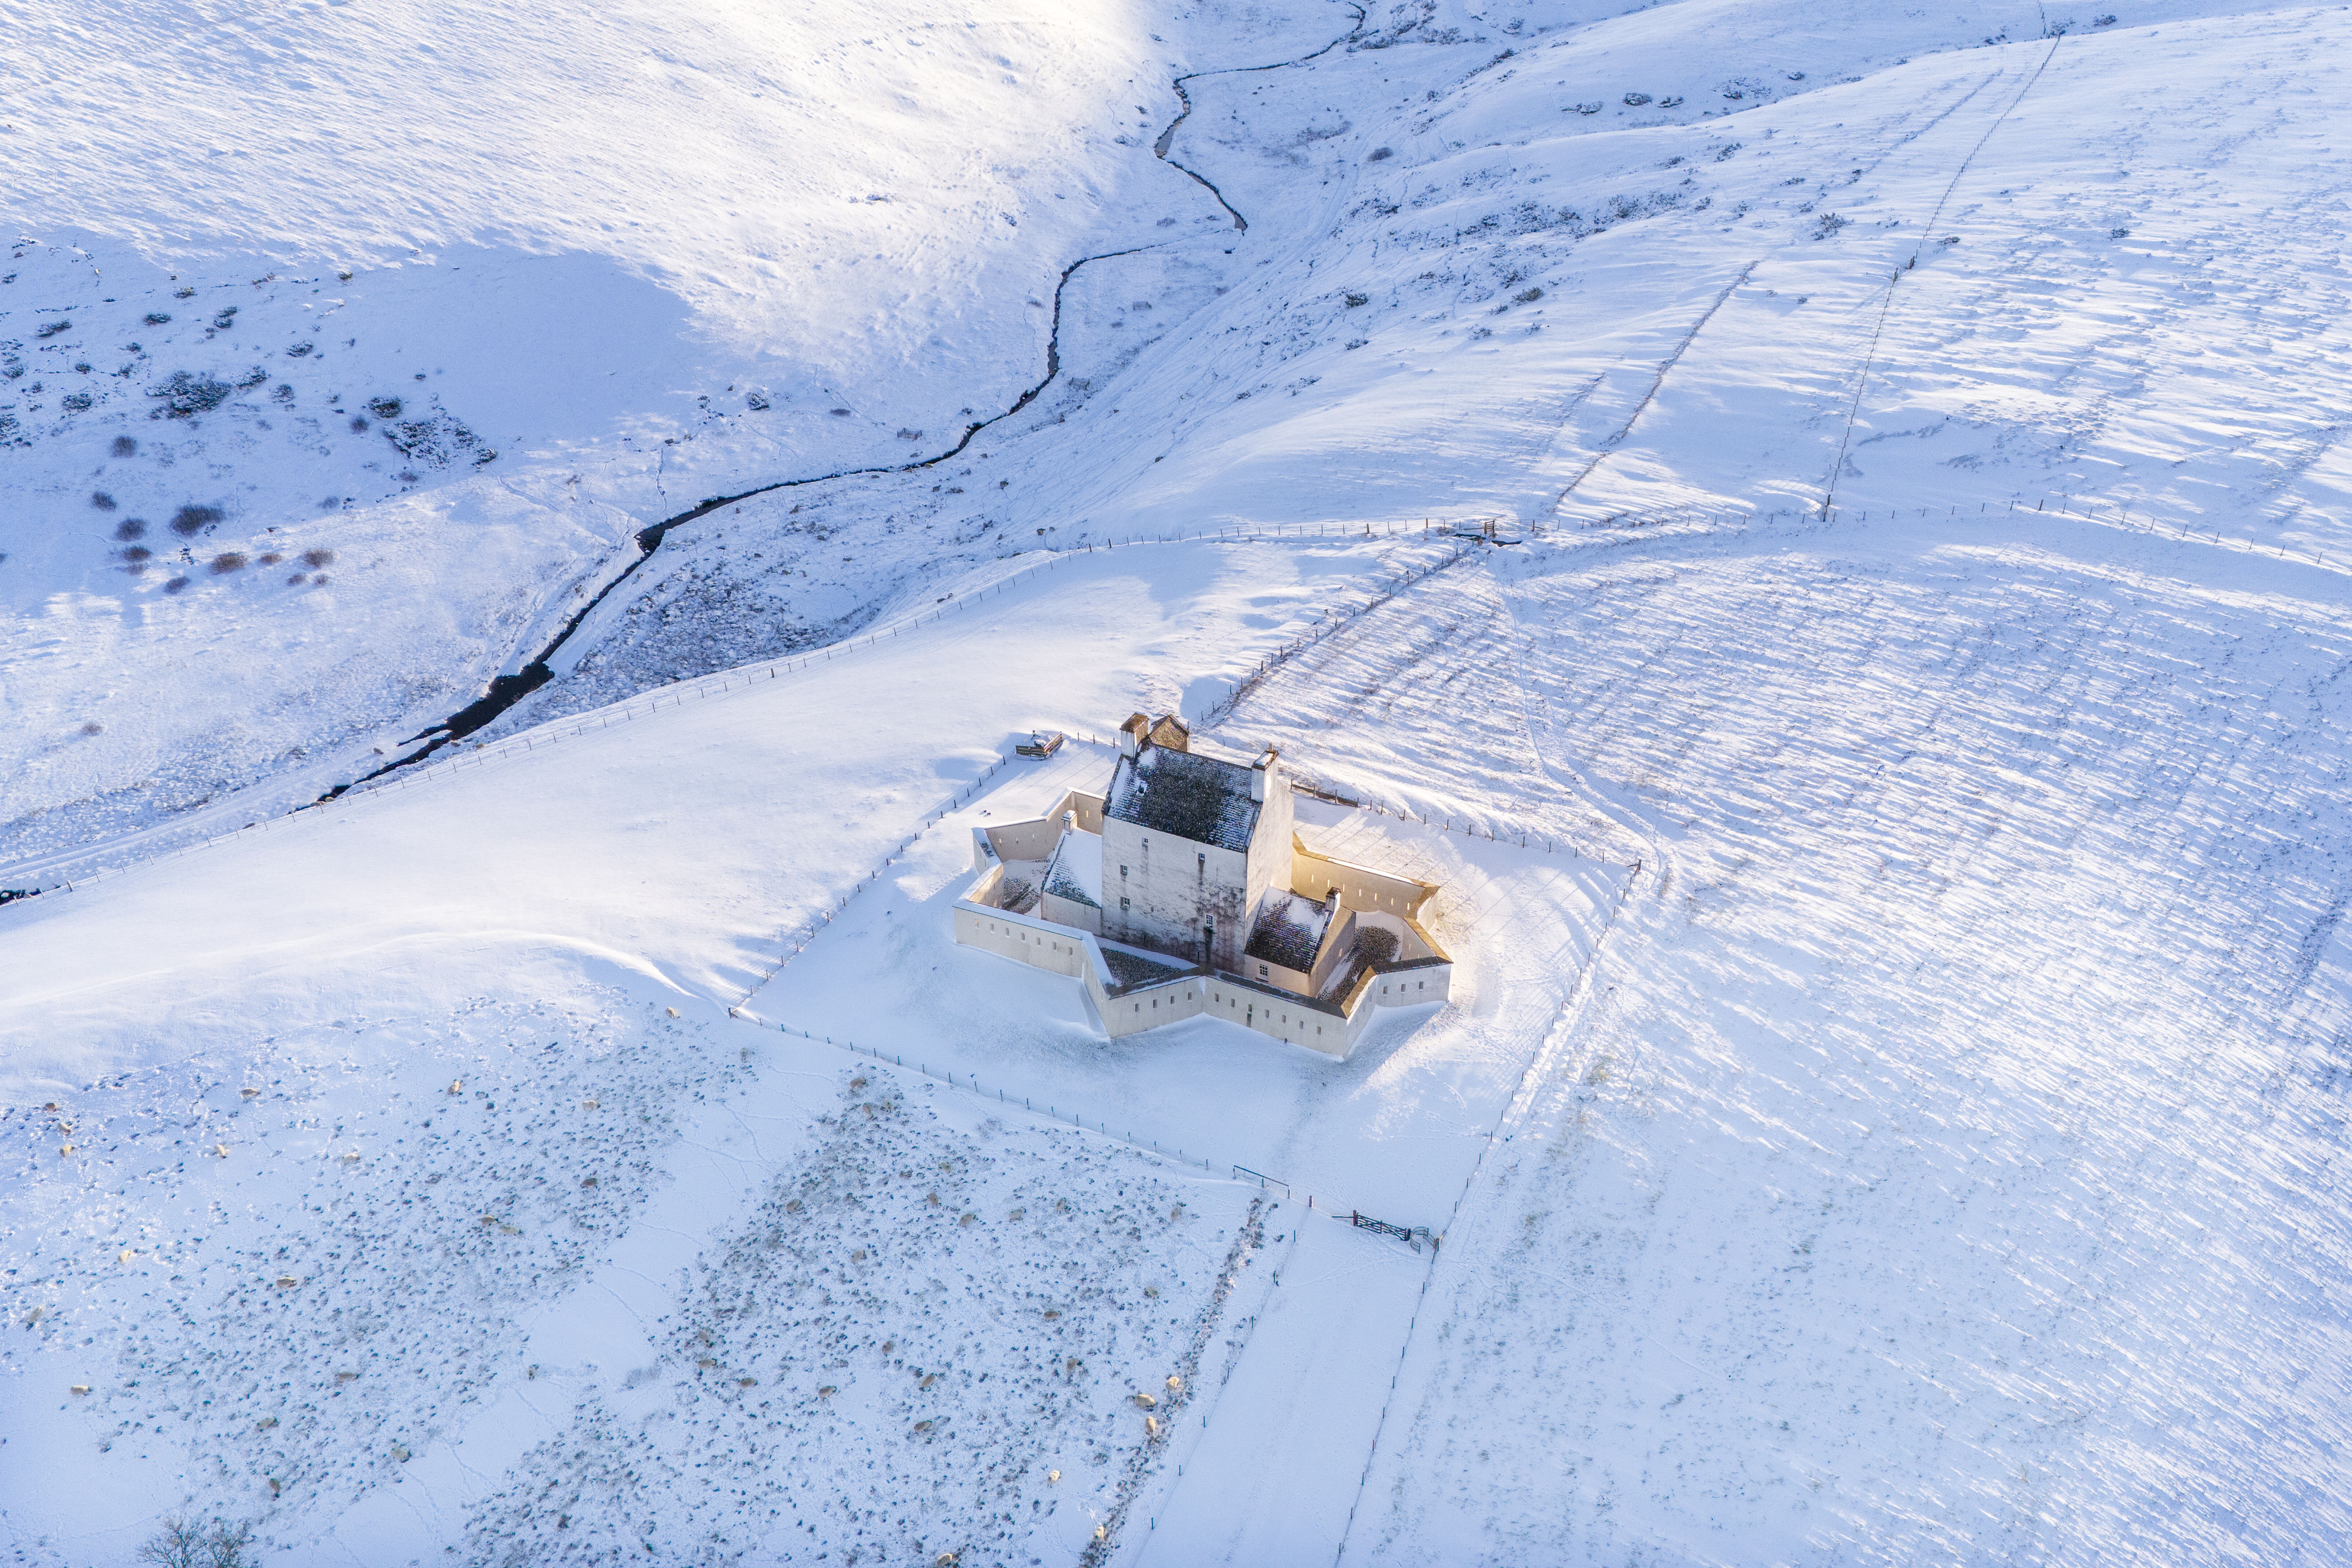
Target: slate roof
(1186, 794)
(1289, 931)
(1133, 969)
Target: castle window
(1122, 870)
(1261, 968)
(1122, 903)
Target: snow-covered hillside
(1888, 795)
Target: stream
(505, 690)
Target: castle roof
(1289, 931)
(1187, 795)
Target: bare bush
(315, 558)
(227, 561)
(180, 1544)
(193, 519)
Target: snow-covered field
(1889, 800)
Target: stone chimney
(1131, 733)
(1258, 771)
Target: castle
(1182, 890)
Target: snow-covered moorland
(1888, 795)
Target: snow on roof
(1187, 794)
(1075, 872)
(1289, 931)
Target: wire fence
(930, 819)
(972, 1084)
(1223, 708)
(65, 872)
(2056, 504)
(1498, 1133)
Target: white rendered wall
(1360, 888)
(1173, 887)
(1270, 849)
(1034, 943)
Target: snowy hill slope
(1440, 212)
(587, 246)
(1953, 1082)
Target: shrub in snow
(193, 519)
(384, 408)
(130, 528)
(101, 500)
(318, 558)
(126, 446)
(185, 395)
(226, 562)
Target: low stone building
(1183, 890)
